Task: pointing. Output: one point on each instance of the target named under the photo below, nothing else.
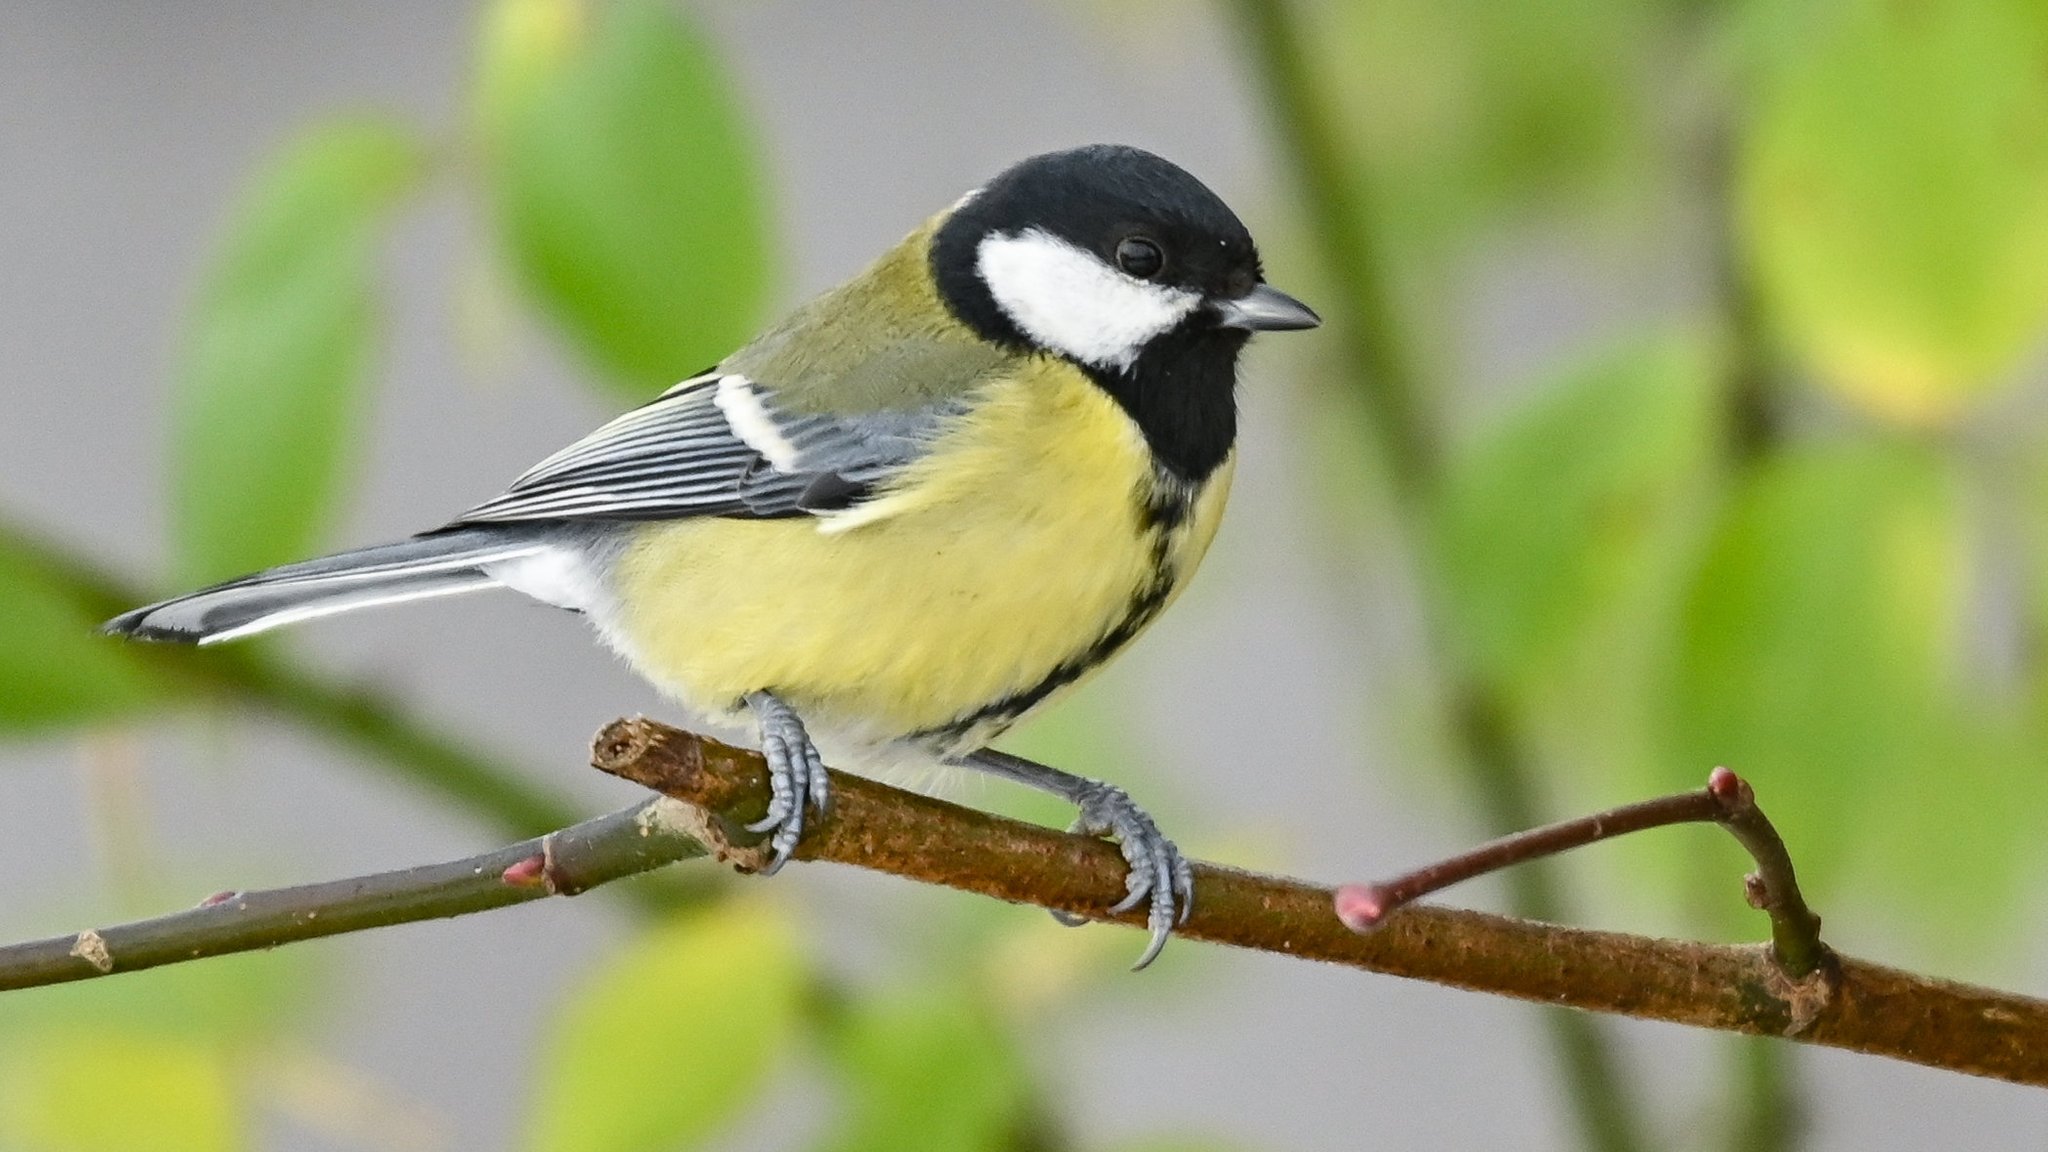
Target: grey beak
(1265, 309)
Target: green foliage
(1464, 110)
(1955, 837)
(671, 1037)
(53, 669)
(1823, 657)
(625, 183)
(152, 1060)
(117, 1091)
(1810, 625)
(927, 1068)
(1887, 216)
(278, 353)
(1895, 193)
(521, 46)
(1547, 520)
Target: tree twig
(565, 862)
(1727, 800)
(1851, 1004)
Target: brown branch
(1847, 1004)
(1727, 800)
(1851, 1004)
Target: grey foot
(797, 782)
(1159, 873)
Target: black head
(1126, 265)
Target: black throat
(1182, 394)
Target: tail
(438, 565)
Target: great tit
(929, 502)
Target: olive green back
(882, 341)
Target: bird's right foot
(1160, 877)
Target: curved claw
(1158, 871)
(1153, 948)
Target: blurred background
(1681, 403)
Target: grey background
(126, 129)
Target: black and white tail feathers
(440, 564)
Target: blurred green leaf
(928, 1068)
(1822, 658)
(672, 1037)
(148, 1061)
(271, 382)
(1466, 108)
(1895, 193)
(1946, 848)
(627, 187)
(54, 668)
(521, 44)
(1546, 521)
(105, 1090)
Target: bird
(922, 506)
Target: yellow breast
(988, 577)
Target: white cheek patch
(1068, 300)
(750, 421)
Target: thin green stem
(358, 718)
(1607, 1114)
(1338, 200)
(1771, 1115)
(1751, 415)
(1766, 1098)
(1364, 319)
(392, 740)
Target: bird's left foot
(1159, 873)
(797, 782)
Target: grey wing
(714, 445)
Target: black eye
(1139, 257)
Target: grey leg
(796, 776)
(1158, 871)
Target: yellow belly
(994, 563)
